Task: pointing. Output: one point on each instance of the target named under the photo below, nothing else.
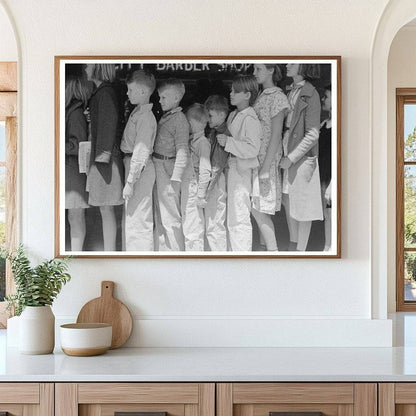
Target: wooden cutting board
(107, 309)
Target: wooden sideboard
(208, 399)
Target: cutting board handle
(107, 289)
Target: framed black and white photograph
(198, 156)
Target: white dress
(268, 105)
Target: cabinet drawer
(296, 399)
(138, 393)
(107, 399)
(19, 393)
(21, 399)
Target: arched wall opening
(401, 73)
(397, 14)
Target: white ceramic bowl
(84, 340)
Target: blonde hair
(173, 83)
(76, 89)
(197, 112)
(104, 72)
(143, 78)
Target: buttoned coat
(105, 177)
(302, 148)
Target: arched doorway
(396, 14)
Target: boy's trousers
(215, 216)
(170, 227)
(193, 221)
(139, 210)
(239, 207)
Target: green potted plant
(36, 289)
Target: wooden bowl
(84, 340)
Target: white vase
(37, 330)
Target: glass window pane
(2, 207)
(409, 275)
(410, 206)
(410, 132)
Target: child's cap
(197, 112)
(173, 83)
(217, 103)
(144, 78)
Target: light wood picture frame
(300, 113)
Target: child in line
(243, 146)
(170, 157)
(216, 208)
(137, 146)
(301, 185)
(76, 131)
(195, 183)
(271, 107)
(105, 176)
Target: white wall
(8, 47)
(401, 74)
(179, 302)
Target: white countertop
(221, 364)
(213, 364)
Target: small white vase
(37, 330)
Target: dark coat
(75, 128)
(219, 157)
(104, 128)
(76, 131)
(105, 177)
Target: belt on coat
(162, 157)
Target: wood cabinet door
(27, 399)
(397, 399)
(297, 399)
(146, 399)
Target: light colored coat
(245, 139)
(302, 147)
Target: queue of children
(188, 187)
